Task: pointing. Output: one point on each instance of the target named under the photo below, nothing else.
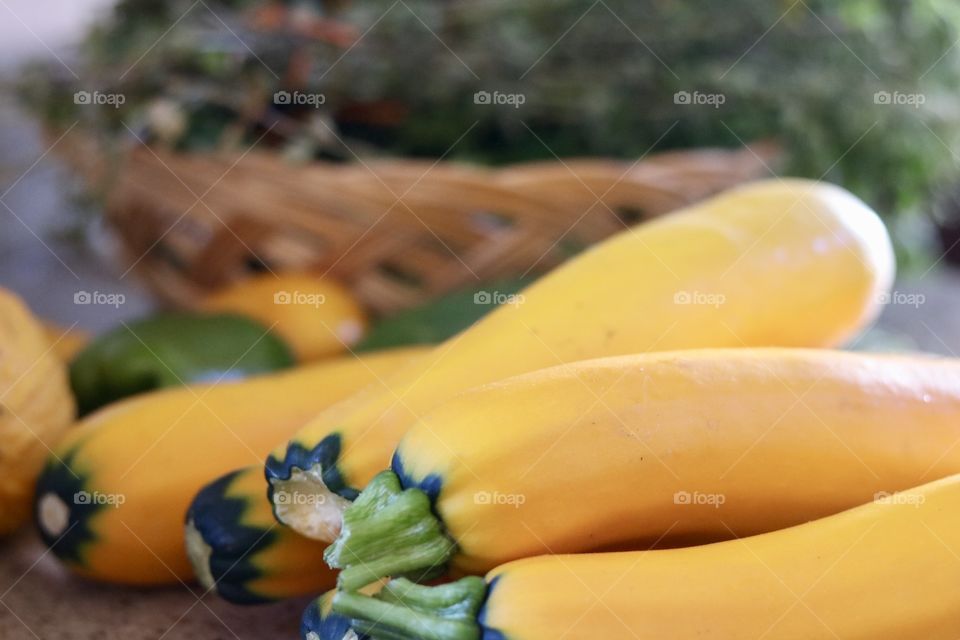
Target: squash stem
(304, 503)
(389, 531)
(307, 490)
(403, 610)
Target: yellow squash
(887, 570)
(315, 316)
(36, 407)
(65, 342)
(669, 448)
(112, 499)
(785, 263)
(239, 551)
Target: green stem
(403, 610)
(389, 531)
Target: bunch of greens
(859, 92)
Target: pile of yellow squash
(676, 385)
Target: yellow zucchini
(887, 570)
(782, 263)
(239, 551)
(65, 342)
(674, 447)
(111, 500)
(36, 407)
(317, 317)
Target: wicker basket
(396, 232)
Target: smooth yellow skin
(65, 342)
(797, 263)
(591, 455)
(877, 572)
(36, 407)
(291, 565)
(317, 317)
(159, 449)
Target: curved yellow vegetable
(668, 448)
(887, 570)
(239, 551)
(65, 342)
(36, 407)
(786, 263)
(112, 498)
(317, 317)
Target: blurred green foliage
(598, 77)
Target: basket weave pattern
(396, 232)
